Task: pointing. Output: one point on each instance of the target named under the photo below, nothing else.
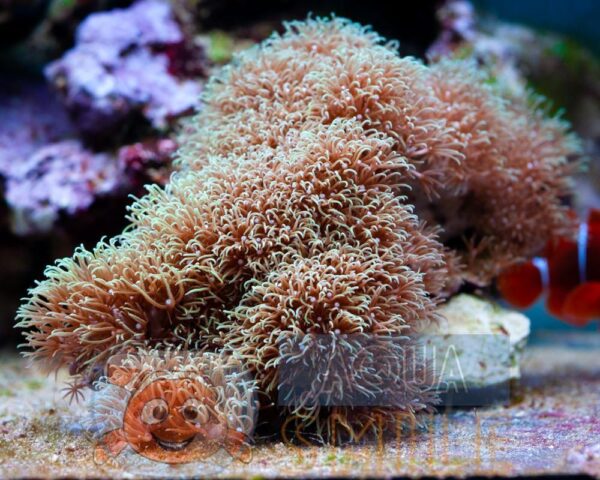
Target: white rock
(477, 343)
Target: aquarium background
(577, 19)
(25, 253)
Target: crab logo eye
(155, 411)
(195, 411)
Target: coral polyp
(319, 217)
(490, 168)
(292, 213)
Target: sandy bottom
(551, 427)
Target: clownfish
(569, 271)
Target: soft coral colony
(328, 186)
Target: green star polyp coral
(293, 211)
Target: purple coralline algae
(31, 118)
(44, 170)
(130, 68)
(47, 172)
(59, 177)
(147, 162)
(128, 63)
(586, 459)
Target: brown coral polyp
(293, 210)
(490, 169)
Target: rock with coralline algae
(146, 162)
(30, 118)
(477, 345)
(59, 177)
(48, 174)
(128, 63)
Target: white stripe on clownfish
(541, 264)
(582, 244)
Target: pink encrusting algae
(292, 213)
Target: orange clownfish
(569, 271)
